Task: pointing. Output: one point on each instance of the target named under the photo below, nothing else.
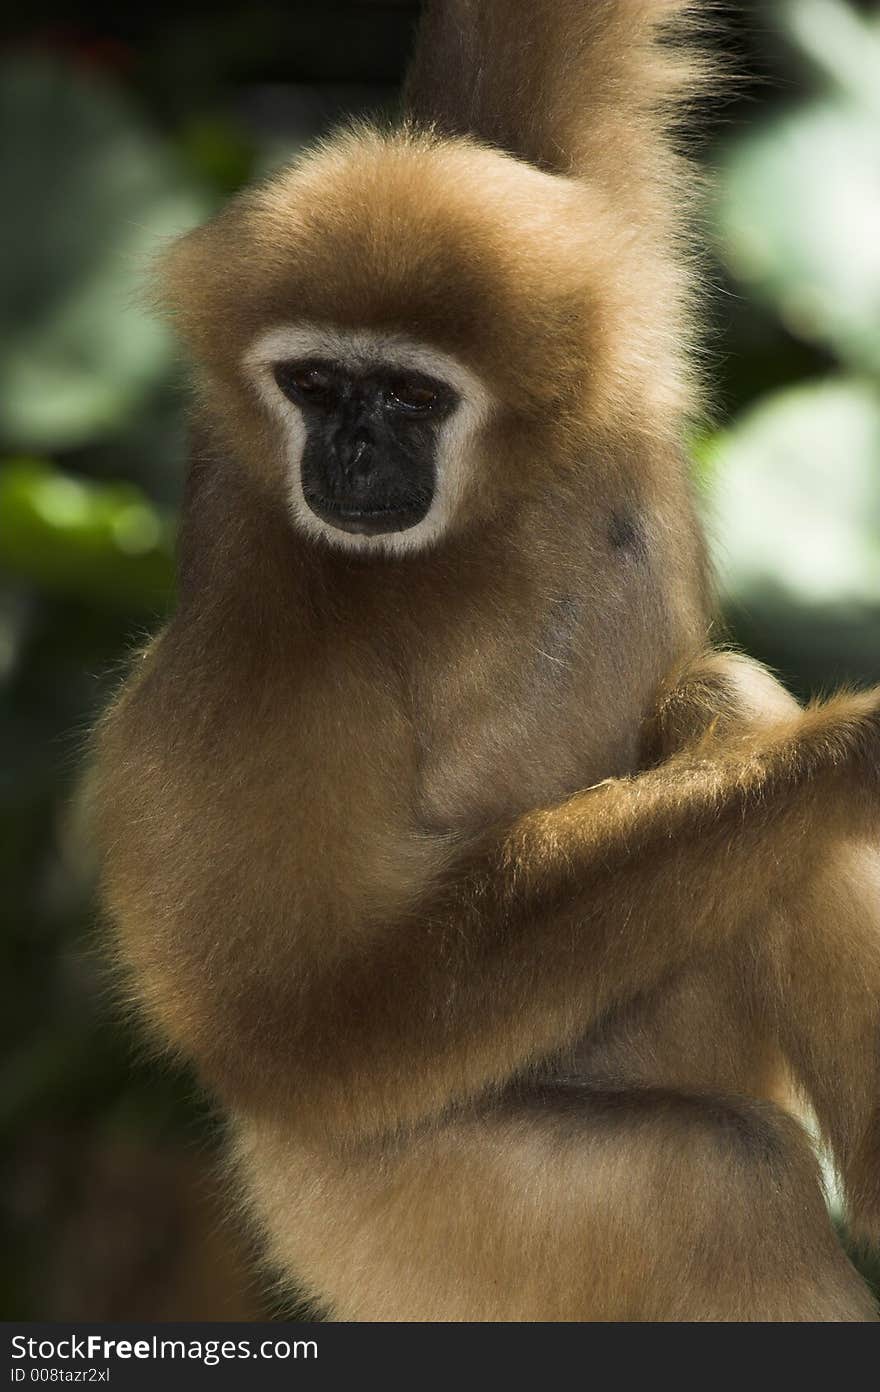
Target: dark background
(119, 129)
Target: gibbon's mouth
(365, 521)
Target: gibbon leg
(816, 978)
(569, 1204)
(815, 972)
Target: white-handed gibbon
(501, 915)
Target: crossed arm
(544, 926)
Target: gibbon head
(401, 336)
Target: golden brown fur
(496, 1047)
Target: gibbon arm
(548, 925)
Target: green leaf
(797, 498)
(842, 44)
(105, 544)
(88, 196)
(798, 220)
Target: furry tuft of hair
(590, 88)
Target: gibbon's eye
(412, 395)
(309, 383)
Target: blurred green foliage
(795, 507)
(111, 141)
(103, 544)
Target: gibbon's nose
(356, 482)
(356, 459)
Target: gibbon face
(368, 463)
(399, 336)
(377, 432)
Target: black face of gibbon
(369, 460)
